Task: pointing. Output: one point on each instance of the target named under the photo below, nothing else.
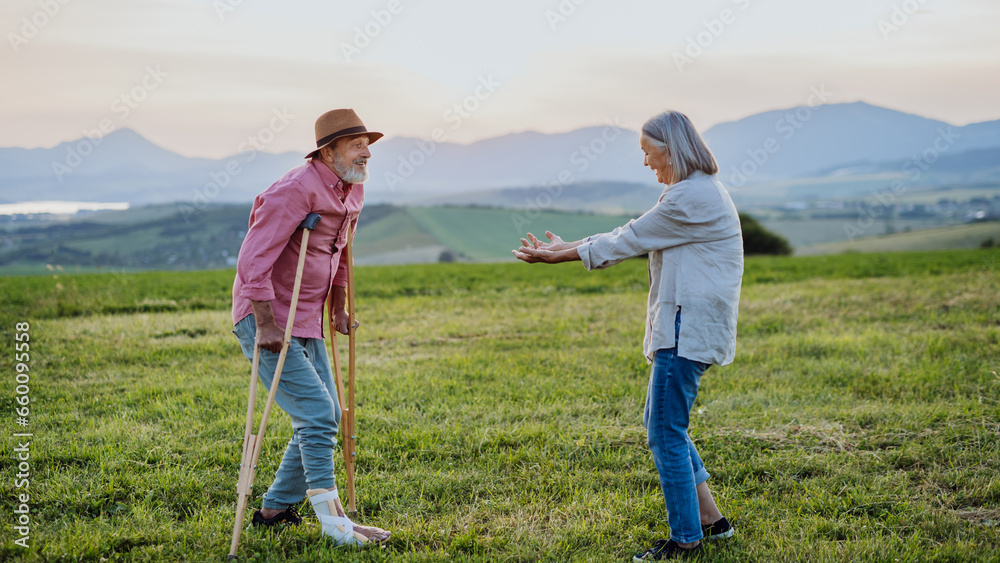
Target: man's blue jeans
(673, 386)
(308, 394)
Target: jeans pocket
(240, 332)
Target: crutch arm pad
(310, 221)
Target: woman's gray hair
(688, 152)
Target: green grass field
(490, 234)
(812, 235)
(969, 235)
(499, 415)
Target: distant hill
(615, 198)
(124, 166)
(976, 166)
(592, 154)
(774, 146)
(804, 141)
(155, 237)
(162, 237)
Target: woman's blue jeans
(673, 386)
(308, 394)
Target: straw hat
(338, 123)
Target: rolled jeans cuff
(701, 475)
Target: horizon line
(512, 132)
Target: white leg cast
(340, 528)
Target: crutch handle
(310, 221)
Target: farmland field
(500, 410)
(970, 235)
(829, 236)
(486, 234)
(162, 238)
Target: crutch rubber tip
(232, 557)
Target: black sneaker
(719, 530)
(663, 550)
(287, 516)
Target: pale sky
(199, 76)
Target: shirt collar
(330, 179)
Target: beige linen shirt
(695, 248)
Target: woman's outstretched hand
(552, 252)
(555, 242)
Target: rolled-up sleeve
(597, 257)
(681, 217)
(276, 215)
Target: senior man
(330, 184)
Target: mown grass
(500, 417)
(68, 295)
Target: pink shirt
(265, 270)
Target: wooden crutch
(252, 443)
(347, 409)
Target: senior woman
(695, 249)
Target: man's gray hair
(688, 152)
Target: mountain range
(823, 140)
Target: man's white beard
(348, 174)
